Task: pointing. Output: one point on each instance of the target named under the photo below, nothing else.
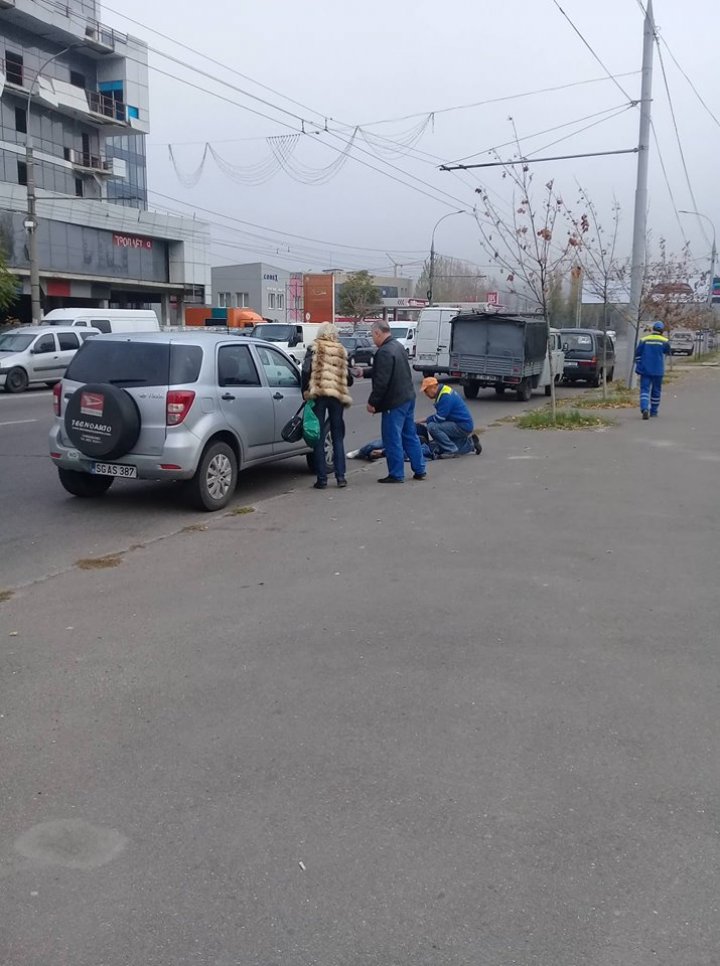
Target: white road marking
(17, 422)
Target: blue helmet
(658, 327)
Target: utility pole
(31, 223)
(637, 272)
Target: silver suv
(174, 406)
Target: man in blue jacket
(451, 425)
(650, 366)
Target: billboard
(319, 298)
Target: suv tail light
(177, 405)
(57, 396)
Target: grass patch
(5, 595)
(195, 528)
(565, 419)
(239, 511)
(618, 397)
(99, 563)
(706, 359)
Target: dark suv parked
(584, 356)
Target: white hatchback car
(35, 354)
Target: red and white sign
(493, 298)
(132, 241)
(92, 404)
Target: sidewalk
(466, 722)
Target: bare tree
(528, 245)
(597, 259)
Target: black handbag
(292, 431)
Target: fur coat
(329, 371)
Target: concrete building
(86, 87)
(263, 288)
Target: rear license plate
(570, 364)
(115, 469)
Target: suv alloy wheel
(215, 479)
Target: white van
(293, 338)
(558, 362)
(432, 342)
(406, 334)
(106, 320)
(33, 354)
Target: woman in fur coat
(325, 379)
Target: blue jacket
(449, 407)
(650, 354)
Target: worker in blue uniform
(451, 426)
(650, 366)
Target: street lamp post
(31, 223)
(431, 272)
(713, 253)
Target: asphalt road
(468, 722)
(43, 530)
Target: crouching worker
(450, 428)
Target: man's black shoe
(645, 414)
(390, 479)
(319, 486)
(419, 476)
(476, 443)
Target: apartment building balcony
(61, 24)
(91, 106)
(91, 163)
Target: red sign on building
(132, 241)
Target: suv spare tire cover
(102, 421)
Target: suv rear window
(127, 364)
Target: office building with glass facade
(77, 91)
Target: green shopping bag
(310, 424)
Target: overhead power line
(217, 63)
(589, 46)
(504, 98)
(286, 234)
(677, 135)
(694, 88)
(667, 182)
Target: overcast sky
(363, 61)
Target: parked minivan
(105, 320)
(32, 354)
(585, 356)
